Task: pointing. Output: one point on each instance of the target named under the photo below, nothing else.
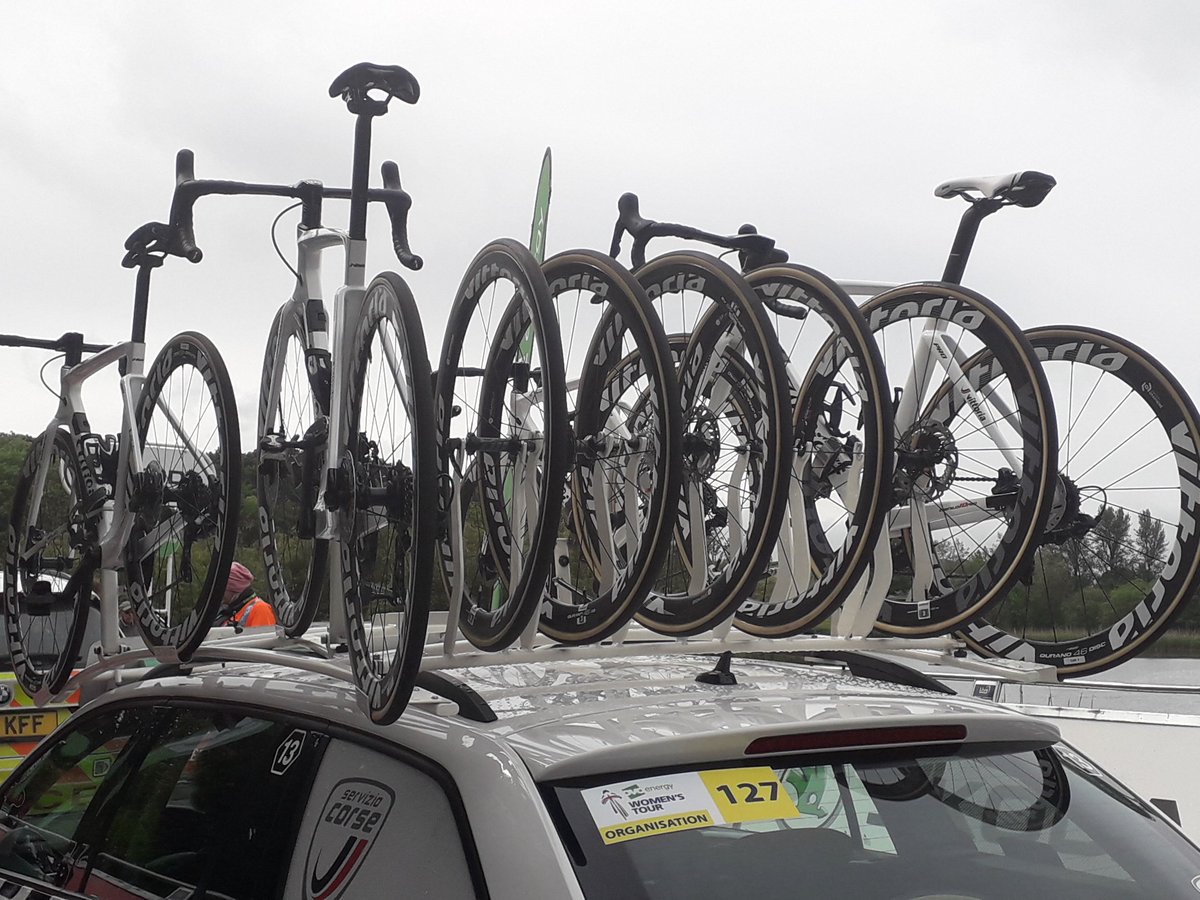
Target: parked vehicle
(655, 777)
(22, 722)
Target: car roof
(569, 718)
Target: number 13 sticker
(749, 795)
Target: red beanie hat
(240, 578)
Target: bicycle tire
(1007, 488)
(627, 430)
(725, 322)
(190, 490)
(848, 456)
(57, 507)
(1151, 467)
(291, 409)
(484, 450)
(388, 515)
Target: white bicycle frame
(349, 306)
(116, 519)
(935, 352)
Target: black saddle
(354, 84)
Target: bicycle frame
(348, 308)
(115, 516)
(857, 615)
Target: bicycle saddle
(1019, 188)
(353, 84)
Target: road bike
(737, 446)
(151, 510)
(1119, 554)
(830, 509)
(973, 486)
(346, 481)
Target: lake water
(1152, 670)
(1148, 671)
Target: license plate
(21, 726)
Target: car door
(383, 823)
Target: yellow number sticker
(749, 795)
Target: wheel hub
(1067, 522)
(702, 444)
(926, 453)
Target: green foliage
(13, 448)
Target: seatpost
(141, 296)
(964, 240)
(359, 176)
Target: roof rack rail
(264, 647)
(442, 694)
(864, 664)
(444, 651)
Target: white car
(641, 778)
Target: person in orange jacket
(242, 608)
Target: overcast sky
(828, 124)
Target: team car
(640, 777)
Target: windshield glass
(970, 825)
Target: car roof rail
(863, 664)
(440, 694)
(470, 704)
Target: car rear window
(972, 824)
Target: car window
(976, 824)
(43, 807)
(210, 810)
(378, 827)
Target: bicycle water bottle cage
(147, 246)
(355, 84)
(1017, 189)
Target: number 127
(751, 792)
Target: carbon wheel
(48, 569)
(187, 499)
(1120, 554)
(842, 423)
(615, 529)
(503, 444)
(292, 431)
(387, 498)
(737, 442)
(972, 483)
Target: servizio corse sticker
(352, 818)
(626, 811)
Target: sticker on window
(288, 752)
(630, 810)
(353, 815)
